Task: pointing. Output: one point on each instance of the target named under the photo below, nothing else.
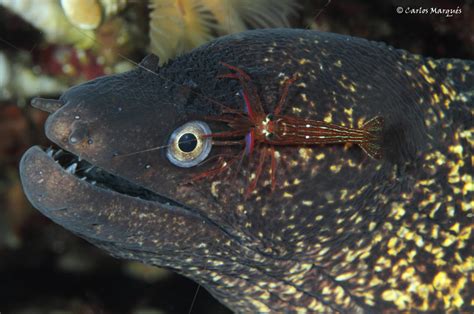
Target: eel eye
(187, 147)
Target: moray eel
(341, 232)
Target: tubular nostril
(78, 134)
(48, 105)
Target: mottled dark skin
(341, 232)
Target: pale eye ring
(187, 147)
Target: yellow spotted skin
(341, 232)
(346, 233)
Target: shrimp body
(289, 130)
(276, 129)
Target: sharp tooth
(58, 153)
(72, 168)
(50, 152)
(88, 169)
(79, 158)
(93, 182)
(83, 178)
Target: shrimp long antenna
(150, 149)
(142, 151)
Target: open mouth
(94, 177)
(97, 176)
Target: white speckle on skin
(320, 156)
(287, 195)
(215, 188)
(302, 84)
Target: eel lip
(51, 188)
(116, 216)
(43, 179)
(69, 190)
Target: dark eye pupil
(187, 143)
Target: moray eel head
(130, 205)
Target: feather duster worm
(177, 26)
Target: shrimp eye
(187, 147)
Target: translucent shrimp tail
(374, 126)
(372, 146)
